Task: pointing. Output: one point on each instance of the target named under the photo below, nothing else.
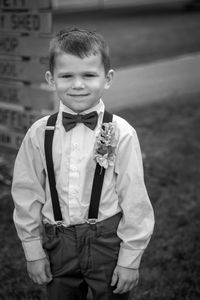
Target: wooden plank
(30, 71)
(30, 22)
(24, 4)
(27, 96)
(10, 139)
(17, 120)
(12, 44)
(77, 4)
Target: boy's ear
(109, 79)
(49, 79)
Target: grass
(170, 140)
(137, 37)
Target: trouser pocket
(61, 246)
(52, 244)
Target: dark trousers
(83, 256)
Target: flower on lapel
(105, 146)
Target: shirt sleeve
(29, 196)
(136, 226)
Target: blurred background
(155, 50)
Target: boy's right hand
(39, 271)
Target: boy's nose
(78, 84)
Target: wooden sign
(27, 96)
(22, 70)
(11, 44)
(28, 22)
(18, 120)
(24, 4)
(22, 67)
(10, 139)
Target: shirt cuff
(33, 250)
(129, 258)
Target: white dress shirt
(73, 155)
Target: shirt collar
(100, 107)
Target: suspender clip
(59, 223)
(91, 221)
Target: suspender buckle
(59, 223)
(91, 221)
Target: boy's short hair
(78, 42)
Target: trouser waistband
(111, 223)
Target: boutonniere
(105, 146)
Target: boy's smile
(79, 82)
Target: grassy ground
(170, 140)
(137, 37)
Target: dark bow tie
(89, 120)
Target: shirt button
(73, 169)
(74, 192)
(75, 146)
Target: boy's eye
(90, 75)
(66, 76)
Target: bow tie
(70, 121)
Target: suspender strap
(98, 181)
(48, 141)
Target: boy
(81, 206)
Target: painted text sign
(26, 96)
(22, 70)
(30, 22)
(11, 44)
(10, 139)
(18, 120)
(24, 4)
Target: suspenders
(98, 176)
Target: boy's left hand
(125, 278)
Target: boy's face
(79, 82)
